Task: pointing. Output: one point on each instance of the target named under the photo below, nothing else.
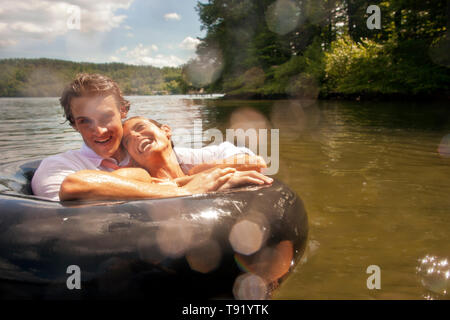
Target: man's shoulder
(65, 157)
(222, 145)
(72, 160)
(209, 153)
(224, 149)
(52, 171)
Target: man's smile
(103, 141)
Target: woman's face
(144, 140)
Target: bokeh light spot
(444, 146)
(246, 237)
(204, 258)
(205, 69)
(303, 86)
(283, 16)
(271, 263)
(250, 287)
(439, 51)
(174, 238)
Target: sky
(141, 32)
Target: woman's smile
(145, 141)
(145, 144)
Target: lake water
(374, 177)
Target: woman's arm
(138, 174)
(239, 178)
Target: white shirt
(53, 170)
(188, 158)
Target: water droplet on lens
(434, 274)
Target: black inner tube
(198, 246)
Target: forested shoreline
(324, 48)
(47, 77)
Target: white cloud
(172, 16)
(189, 43)
(29, 19)
(127, 27)
(138, 52)
(27, 27)
(122, 49)
(7, 43)
(162, 61)
(114, 59)
(144, 55)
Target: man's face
(98, 120)
(144, 140)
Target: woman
(149, 144)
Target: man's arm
(223, 155)
(100, 185)
(241, 162)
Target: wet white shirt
(53, 170)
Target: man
(94, 106)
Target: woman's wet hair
(91, 84)
(156, 123)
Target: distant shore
(440, 96)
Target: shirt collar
(97, 160)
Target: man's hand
(208, 181)
(242, 178)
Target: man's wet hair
(91, 84)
